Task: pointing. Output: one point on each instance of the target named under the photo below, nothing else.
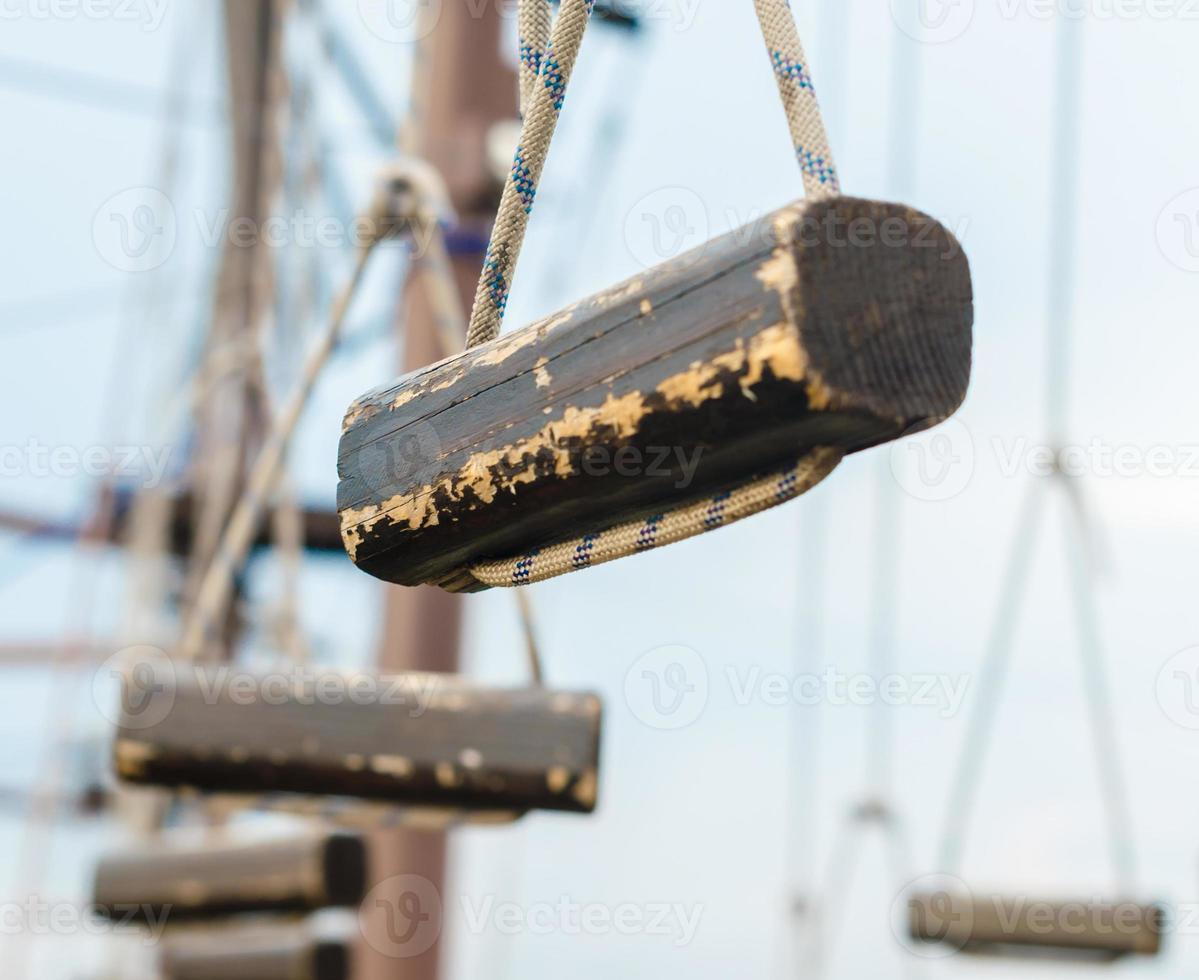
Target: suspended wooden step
(209, 880)
(259, 950)
(843, 323)
(420, 740)
(1024, 926)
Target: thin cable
(1100, 712)
(1063, 226)
(532, 650)
(520, 189)
(990, 682)
(217, 583)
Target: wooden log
(1001, 925)
(258, 950)
(428, 740)
(843, 323)
(296, 874)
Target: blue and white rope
(794, 76)
(657, 530)
(543, 104)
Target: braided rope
(544, 105)
(512, 218)
(794, 76)
(658, 530)
(534, 27)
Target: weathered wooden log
(258, 950)
(295, 874)
(842, 323)
(427, 740)
(1004, 925)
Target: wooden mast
(470, 86)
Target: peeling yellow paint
(618, 294)
(392, 765)
(775, 349)
(541, 375)
(446, 776)
(585, 789)
(557, 778)
(131, 757)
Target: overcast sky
(719, 821)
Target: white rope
(655, 531)
(794, 77)
(544, 105)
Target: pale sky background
(727, 815)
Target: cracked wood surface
(845, 323)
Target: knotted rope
(545, 75)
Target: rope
(520, 190)
(794, 77)
(238, 535)
(534, 26)
(544, 106)
(635, 537)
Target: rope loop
(547, 60)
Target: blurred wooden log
(256, 951)
(1006, 925)
(416, 739)
(843, 323)
(206, 881)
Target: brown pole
(469, 86)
